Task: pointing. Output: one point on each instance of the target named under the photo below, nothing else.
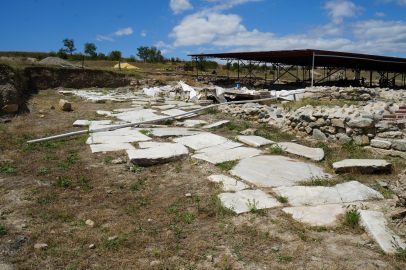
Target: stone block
(361, 123)
(9, 108)
(255, 141)
(317, 134)
(227, 183)
(65, 105)
(361, 140)
(362, 166)
(381, 144)
(316, 154)
(399, 145)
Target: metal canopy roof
(330, 59)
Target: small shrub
(63, 181)
(282, 199)
(212, 111)
(231, 126)
(188, 218)
(282, 258)
(227, 165)
(147, 132)
(277, 150)
(3, 230)
(44, 170)
(252, 206)
(351, 216)
(7, 168)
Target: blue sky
(179, 27)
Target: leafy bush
(277, 150)
(63, 181)
(351, 216)
(77, 57)
(53, 54)
(132, 59)
(62, 53)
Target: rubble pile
(354, 93)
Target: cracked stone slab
(227, 183)
(362, 165)
(227, 155)
(158, 154)
(106, 139)
(275, 171)
(96, 148)
(316, 154)
(191, 123)
(341, 193)
(164, 107)
(174, 112)
(255, 141)
(218, 124)
(376, 226)
(201, 141)
(220, 148)
(319, 215)
(174, 132)
(239, 201)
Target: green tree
(143, 52)
(132, 58)
(102, 56)
(62, 53)
(114, 55)
(90, 49)
(69, 44)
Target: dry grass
(146, 209)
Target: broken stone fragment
(65, 105)
(10, 108)
(41, 246)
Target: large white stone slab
(173, 132)
(220, 148)
(96, 148)
(362, 165)
(158, 154)
(376, 226)
(191, 107)
(341, 193)
(316, 154)
(217, 124)
(191, 123)
(238, 201)
(275, 171)
(319, 215)
(227, 183)
(138, 115)
(164, 107)
(201, 141)
(174, 112)
(227, 155)
(255, 141)
(103, 138)
(82, 123)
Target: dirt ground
(142, 217)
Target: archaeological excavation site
(271, 160)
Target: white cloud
(338, 9)
(101, 38)
(178, 6)
(380, 14)
(119, 32)
(123, 31)
(399, 2)
(144, 33)
(202, 28)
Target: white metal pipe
(146, 122)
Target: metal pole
(119, 64)
(83, 61)
(265, 73)
(238, 70)
(370, 79)
(197, 71)
(148, 121)
(313, 69)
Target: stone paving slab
(319, 215)
(362, 165)
(275, 171)
(217, 124)
(220, 148)
(227, 183)
(255, 141)
(164, 107)
(96, 148)
(341, 193)
(201, 141)
(191, 123)
(316, 154)
(138, 115)
(106, 139)
(153, 144)
(158, 155)
(376, 226)
(83, 123)
(174, 112)
(173, 132)
(227, 155)
(238, 201)
(191, 107)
